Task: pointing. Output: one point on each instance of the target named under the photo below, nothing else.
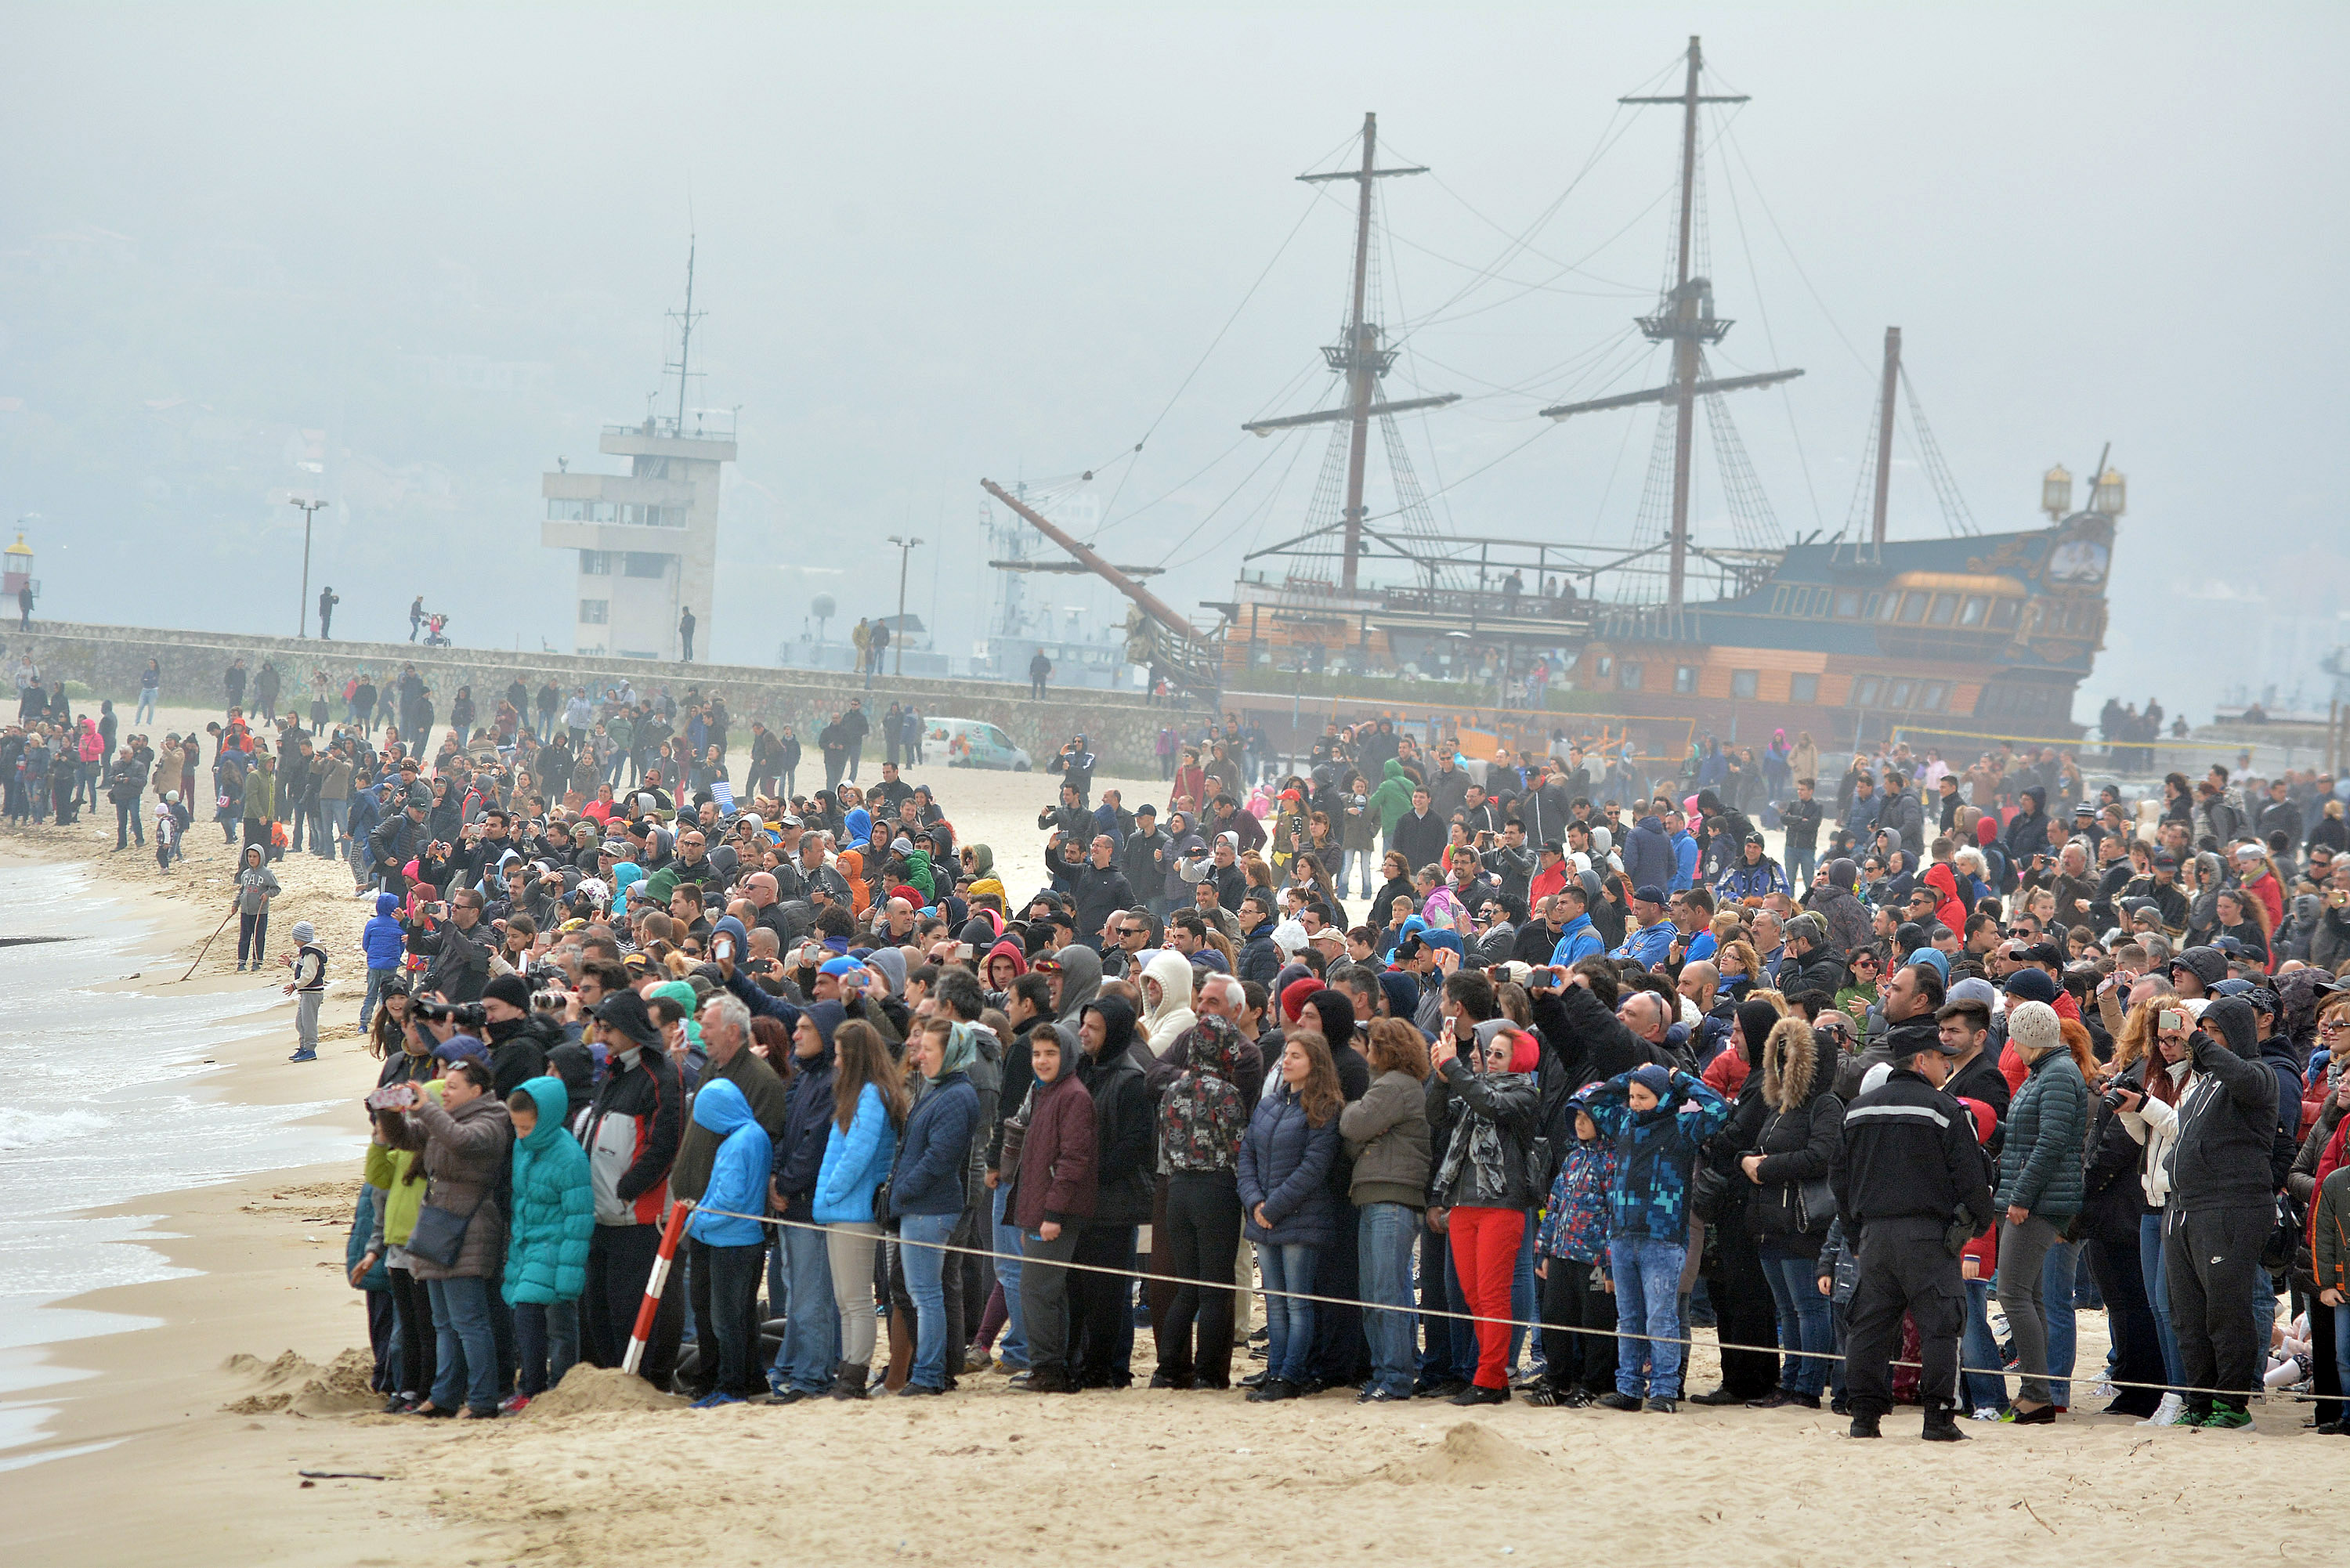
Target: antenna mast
(685, 320)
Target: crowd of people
(1585, 1073)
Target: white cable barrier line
(1534, 1324)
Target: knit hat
(1654, 1079)
(1756, 1019)
(2027, 985)
(510, 989)
(304, 930)
(1975, 989)
(2033, 1027)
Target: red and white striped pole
(670, 1234)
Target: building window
(1971, 613)
(1865, 691)
(1847, 604)
(1627, 675)
(1684, 679)
(1744, 682)
(1804, 689)
(566, 511)
(595, 563)
(644, 563)
(595, 612)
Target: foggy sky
(945, 243)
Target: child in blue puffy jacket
(546, 1245)
(382, 940)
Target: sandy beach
(182, 1433)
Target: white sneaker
(2105, 1391)
(2167, 1413)
(1987, 1412)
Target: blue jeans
(1013, 1348)
(1365, 863)
(1647, 1276)
(926, 1283)
(1980, 1347)
(1805, 1321)
(468, 1351)
(811, 1346)
(2157, 1290)
(146, 705)
(548, 1335)
(1525, 1301)
(1797, 864)
(338, 815)
(1385, 1234)
(1288, 1323)
(379, 982)
(2057, 1279)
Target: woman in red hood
(1948, 909)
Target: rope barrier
(1534, 1324)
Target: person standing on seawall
(685, 633)
(328, 599)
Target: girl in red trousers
(1484, 1184)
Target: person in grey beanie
(307, 988)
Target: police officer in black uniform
(1914, 1185)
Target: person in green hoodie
(261, 802)
(546, 1248)
(391, 1170)
(1391, 800)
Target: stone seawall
(1121, 727)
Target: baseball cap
(1649, 893)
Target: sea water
(105, 1097)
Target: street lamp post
(905, 550)
(309, 511)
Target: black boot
(848, 1380)
(1942, 1426)
(1864, 1424)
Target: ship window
(2003, 613)
(1804, 689)
(1869, 609)
(1931, 697)
(1888, 606)
(1945, 605)
(1744, 682)
(642, 563)
(1684, 679)
(1898, 696)
(1913, 608)
(1779, 599)
(594, 612)
(595, 563)
(1971, 612)
(1865, 691)
(1606, 663)
(1847, 603)
(1627, 675)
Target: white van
(972, 744)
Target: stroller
(435, 634)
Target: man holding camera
(451, 938)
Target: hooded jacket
(1081, 976)
(807, 1119)
(1582, 1197)
(1168, 1023)
(1655, 1150)
(382, 940)
(256, 883)
(1203, 1109)
(554, 1205)
(1392, 799)
(1802, 1135)
(1126, 1162)
(1058, 1152)
(2228, 1120)
(738, 1175)
(698, 1149)
(933, 1158)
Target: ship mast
(1885, 436)
(1684, 319)
(1360, 358)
